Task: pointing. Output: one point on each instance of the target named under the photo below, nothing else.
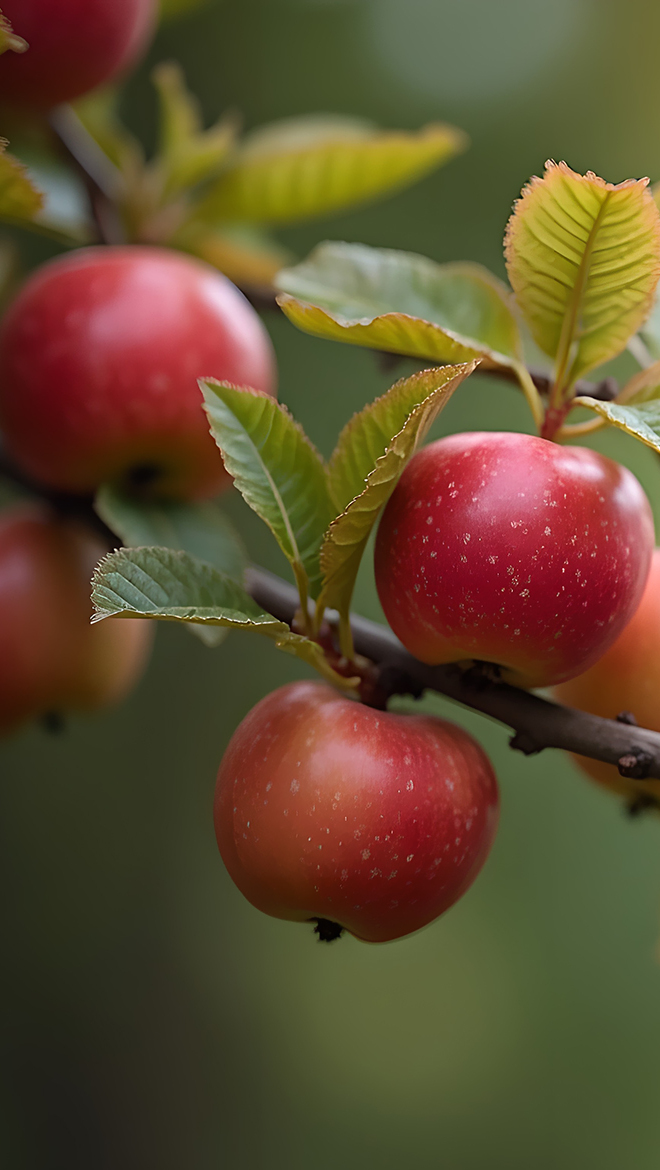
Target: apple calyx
(326, 930)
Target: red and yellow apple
(99, 359)
(513, 550)
(327, 810)
(51, 658)
(625, 679)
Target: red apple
(329, 811)
(510, 549)
(626, 678)
(74, 45)
(52, 659)
(99, 359)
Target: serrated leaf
(401, 303)
(641, 420)
(367, 436)
(188, 154)
(314, 166)
(19, 198)
(372, 452)
(275, 467)
(165, 585)
(583, 258)
(200, 528)
(250, 258)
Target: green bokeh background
(150, 1016)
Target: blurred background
(150, 1016)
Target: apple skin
(74, 46)
(626, 678)
(328, 809)
(510, 549)
(99, 359)
(52, 658)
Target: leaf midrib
(271, 482)
(575, 300)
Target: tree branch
(536, 722)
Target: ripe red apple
(99, 359)
(329, 811)
(626, 678)
(51, 658)
(74, 45)
(510, 549)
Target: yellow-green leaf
(583, 257)
(308, 167)
(188, 154)
(641, 420)
(371, 454)
(19, 198)
(276, 469)
(166, 585)
(402, 303)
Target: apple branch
(537, 723)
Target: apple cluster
(494, 548)
(533, 560)
(99, 358)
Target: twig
(536, 722)
(102, 178)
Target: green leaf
(641, 420)
(370, 456)
(402, 303)
(19, 199)
(583, 257)
(311, 166)
(188, 154)
(277, 470)
(199, 528)
(65, 202)
(173, 586)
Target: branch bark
(537, 723)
